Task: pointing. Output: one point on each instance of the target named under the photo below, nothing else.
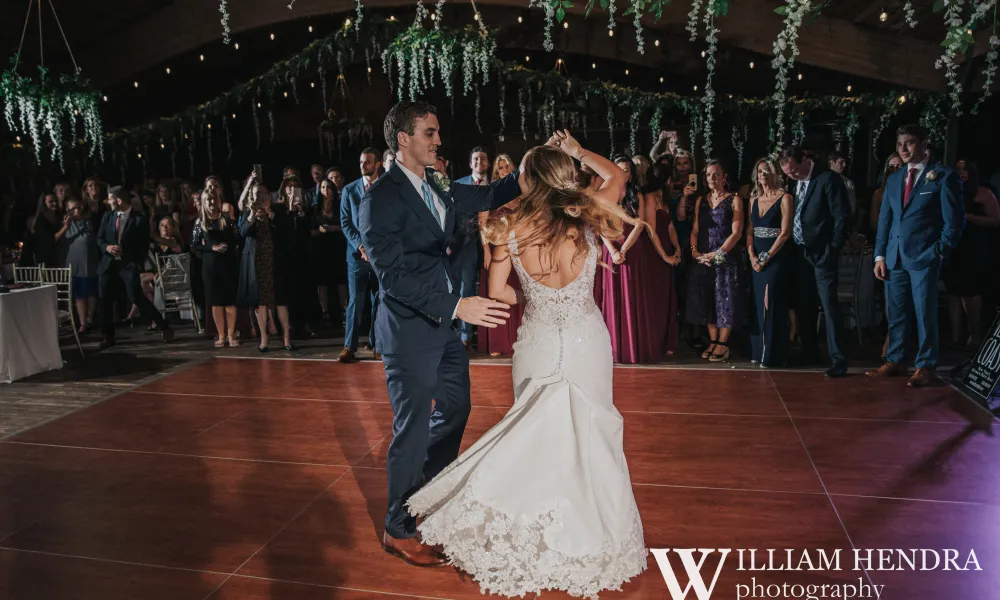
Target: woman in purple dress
(713, 288)
(632, 295)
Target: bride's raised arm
(614, 178)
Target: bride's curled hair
(554, 208)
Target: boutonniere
(932, 175)
(443, 183)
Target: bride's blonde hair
(555, 206)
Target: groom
(407, 222)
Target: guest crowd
(709, 262)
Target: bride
(543, 501)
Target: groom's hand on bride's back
(482, 311)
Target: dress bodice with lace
(543, 500)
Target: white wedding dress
(543, 500)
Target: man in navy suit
(920, 222)
(465, 254)
(819, 229)
(123, 240)
(361, 280)
(408, 221)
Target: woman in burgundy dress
(633, 294)
(657, 186)
(499, 341)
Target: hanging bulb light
(902, 99)
(105, 98)
(286, 94)
(201, 57)
(849, 87)
(626, 71)
(611, 33)
(135, 83)
(168, 70)
(234, 115)
(162, 146)
(347, 23)
(272, 37)
(236, 46)
(139, 154)
(520, 20)
(310, 29)
(527, 59)
(751, 64)
(209, 125)
(696, 88)
(565, 24)
(593, 65)
(703, 54)
(312, 84)
(661, 80)
(656, 43)
(884, 16)
(800, 76)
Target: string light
(902, 99)
(751, 64)
(234, 115)
(76, 112)
(347, 23)
(168, 70)
(236, 45)
(475, 17)
(17, 139)
(105, 98)
(611, 33)
(558, 61)
(162, 146)
(703, 54)
(135, 83)
(310, 29)
(626, 71)
(849, 87)
(970, 32)
(139, 154)
(272, 37)
(527, 59)
(661, 80)
(392, 17)
(593, 65)
(696, 88)
(883, 17)
(520, 20)
(201, 57)
(258, 105)
(565, 24)
(286, 94)
(369, 69)
(209, 125)
(656, 43)
(800, 76)
(312, 84)
(186, 136)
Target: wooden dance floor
(265, 479)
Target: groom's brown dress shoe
(413, 552)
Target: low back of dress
(562, 331)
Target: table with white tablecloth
(29, 332)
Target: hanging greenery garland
(891, 107)
(708, 100)
(850, 131)
(910, 14)
(794, 11)
(739, 139)
(991, 65)
(799, 128)
(692, 24)
(223, 9)
(957, 37)
(933, 119)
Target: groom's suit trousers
(424, 441)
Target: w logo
(692, 568)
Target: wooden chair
(62, 278)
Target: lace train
(509, 556)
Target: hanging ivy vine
(786, 49)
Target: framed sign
(981, 380)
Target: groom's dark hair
(403, 117)
(915, 130)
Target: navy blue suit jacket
(826, 217)
(466, 232)
(134, 243)
(408, 250)
(350, 202)
(930, 225)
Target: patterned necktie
(910, 178)
(800, 197)
(119, 226)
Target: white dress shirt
(418, 184)
(919, 168)
(120, 221)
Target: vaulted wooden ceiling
(114, 40)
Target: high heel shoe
(709, 350)
(720, 357)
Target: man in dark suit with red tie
(123, 240)
(920, 222)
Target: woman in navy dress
(770, 225)
(713, 294)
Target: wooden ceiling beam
(827, 43)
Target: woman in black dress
(215, 238)
(967, 270)
(331, 253)
(262, 285)
(769, 228)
